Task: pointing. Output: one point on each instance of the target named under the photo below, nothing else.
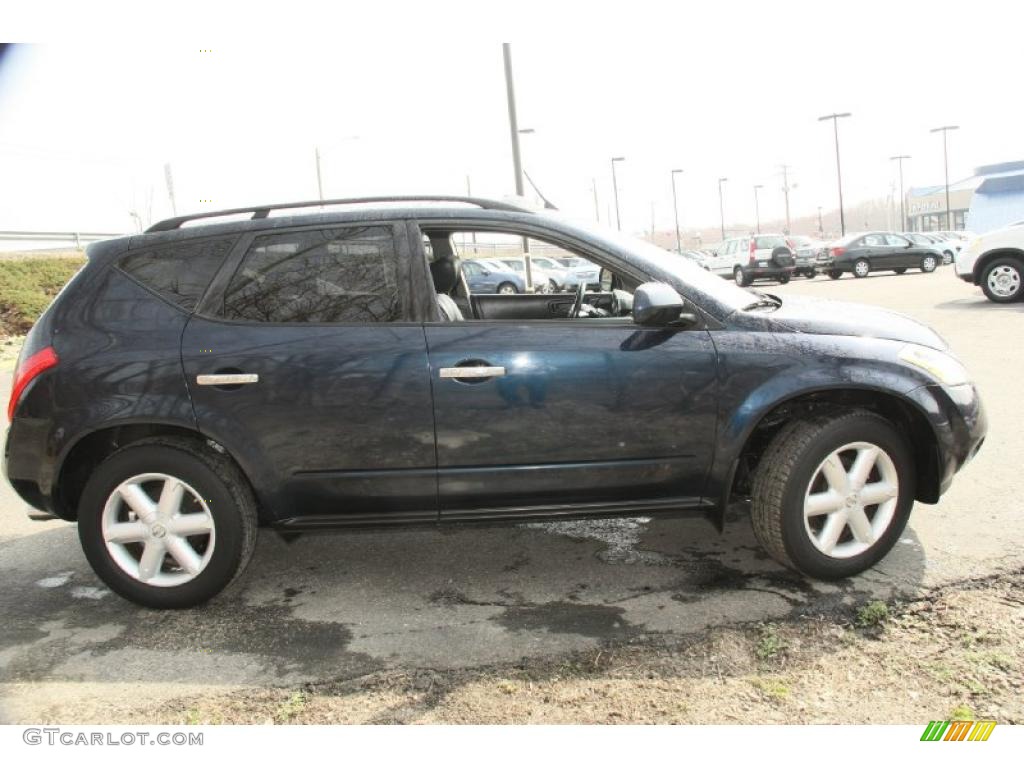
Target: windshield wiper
(764, 300)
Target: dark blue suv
(323, 365)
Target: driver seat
(446, 272)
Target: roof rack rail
(262, 211)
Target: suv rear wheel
(832, 494)
(741, 277)
(167, 522)
(1002, 280)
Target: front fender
(760, 372)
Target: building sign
(925, 206)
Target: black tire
(811, 274)
(786, 471)
(784, 279)
(507, 288)
(861, 268)
(900, 270)
(1012, 270)
(835, 274)
(213, 475)
(741, 277)
(929, 263)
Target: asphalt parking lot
(337, 606)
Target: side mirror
(607, 280)
(656, 304)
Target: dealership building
(992, 198)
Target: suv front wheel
(167, 522)
(1002, 280)
(832, 493)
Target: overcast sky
(724, 90)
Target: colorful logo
(958, 730)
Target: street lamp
(839, 173)
(757, 208)
(615, 188)
(903, 215)
(721, 207)
(945, 161)
(675, 209)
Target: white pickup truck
(995, 261)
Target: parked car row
(550, 275)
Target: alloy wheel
(851, 500)
(928, 264)
(158, 530)
(862, 268)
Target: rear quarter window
(179, 272)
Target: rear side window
(769, 241)
(180, 272)
(318, 276)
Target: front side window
(897, 241)
(345, 275)
(179, 272)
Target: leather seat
(446, 272)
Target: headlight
(946, 369)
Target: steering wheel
(577, 304)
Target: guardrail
(75, 237)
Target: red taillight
(27, 370)
(752, 249)
(837, 252)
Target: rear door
(878, 251)
(307, 360)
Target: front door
(307, 363)
(540, 414)
(570, 412)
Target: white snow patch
(89, 593)
(55, 581)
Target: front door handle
(226, 379)
(473, 372)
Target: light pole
(821, 227)
(675, 209)
(517, 163)
(903, 216)
(757, 207)
(785, 192)
(615, 189)
(597, 209)
(945, 161)
(839, 173)
(721, 205)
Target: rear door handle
(226, 379)
(473, 372)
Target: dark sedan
(867, 252)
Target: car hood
(841, 318)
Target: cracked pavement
(340, 605)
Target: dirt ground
(956, 653)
